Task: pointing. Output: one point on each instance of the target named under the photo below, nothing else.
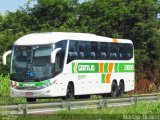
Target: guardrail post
(105, 102)
(66, 104)
(19, 107)
(131, 100)
(25, 109)
(63, 104)
(101, 103)
(69, 105)
(158, 98)
(134, 100)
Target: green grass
(115, 113)
(139, 108)
(110, 113)
(5, 94)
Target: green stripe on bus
(34, 84)
(95, 67)
(124, 67)
(106, 67)
(73, 65)
(103, 78)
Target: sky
(13, 5)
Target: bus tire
(31, 99)
(114, 89)
(121, 88)
(70, 91)
(83, 96)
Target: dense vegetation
(130, 19)
(5, 93)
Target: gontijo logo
(85, 67)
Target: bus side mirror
(53, 55)
(4, 57)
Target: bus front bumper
(45, 92)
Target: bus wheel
(83, 96)
(70, 91)
(113, 89)
(31, 99)
(121, 88)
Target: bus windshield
(31, 63)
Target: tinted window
(82, 50)
(88, 50)
(94, 51)
(72, 53)
(113, 48)
(61, 44)
(125, 51)
(129, 51)
(122, 52)
(58, 66)
(103, 50)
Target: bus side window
(82, 50)
(72, 53)
(122, 51)
(129, 51)
(103, 50)
(60, 56)
(113, 51)
(94, 50)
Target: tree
(53, 14)
(128, 19)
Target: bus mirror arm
(53, 55)
(4, 57)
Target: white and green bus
(60, 64)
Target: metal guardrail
(76, 104)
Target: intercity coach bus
(61, 64)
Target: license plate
(29, 93)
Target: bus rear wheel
(31, 99)
(114, 90)
(121, 88)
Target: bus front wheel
(70, 91)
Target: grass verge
(139, 111)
